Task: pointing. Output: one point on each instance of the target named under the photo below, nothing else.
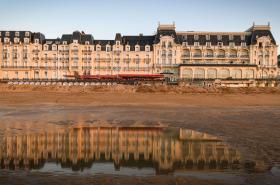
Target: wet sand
(249, 122)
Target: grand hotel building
(251, 54)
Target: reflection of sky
(104, 18)
(97, 168)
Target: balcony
(74, 67)
(86, 67)
(86, 59)
(221, 56)
(127, 60)
(87, 51)
(64, 51)
(197, 56)
(186, 56)
(64, 67)
(232, 56)
(209, 56)
(14, 67)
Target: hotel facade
(251, 54)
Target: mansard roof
(12, 35)
(81, 37)
(140, 40)
(260, 33)
(250, 37)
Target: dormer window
(98, 48)
(36, 41)
(127, 48)
(26, 40)
(17, 34)
(16, 40)
(137, 48)
(64, 42)
(207, 37)
(27, 34)
(147, 48)
(108, 48)
(7, 34)
(196, 37)
(54, 47)
(6, 40)
(118, 42)
(219, 37)
(75, 41)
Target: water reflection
(84, 148)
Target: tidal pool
(133, 151)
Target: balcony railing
(232, 56)
(14, 67)
(209, 56)
(197, 56)
(186, 55)
(86, 67)
(221, 56)
(86, 50)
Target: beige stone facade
(251, 54)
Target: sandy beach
(246, 119)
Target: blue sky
(103, 18)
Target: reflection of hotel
(80, 147)
(241, 55)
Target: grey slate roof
(76, 35)
(143, 40)
(32, 36)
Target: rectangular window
(26, 40)
(108, 48)
(185, 44)
(147, 49)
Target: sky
(104, 18)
